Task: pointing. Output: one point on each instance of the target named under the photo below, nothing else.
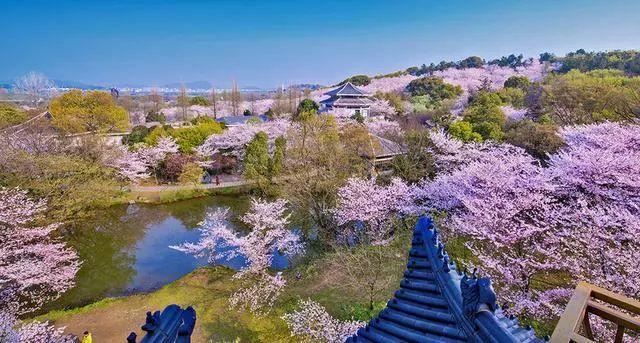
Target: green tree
(192, 136)
(520, 82)
(191, 174)
(75, 112)
(257, 161)
(512, 96)
(599, 95)
(434, 87)
(137, 135)
(418, 162)
(199, 101)
(538, 139)
(317, 163)
(11, 115)
(277, 161)
(307, 105)
(358, 80)
(471, 62)
(156, 133)
(463, 131)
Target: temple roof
(356, 102)
(437, 303)
(347, 89)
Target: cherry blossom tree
(491, 76)
(384, 128)
(580, 215)
(597, 178)
(233, 141)
(34, 268)
(382, 108)
(136, 165)
(312, 321)
(514, 113)
(269, 234)
(13, 331)
(34, 85)
(363, 202)
(389, 84)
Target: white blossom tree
(313, 321)
(269, 234)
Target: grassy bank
(171, 195)
(208, 290)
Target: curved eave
(428, 305)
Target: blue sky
(268, 43)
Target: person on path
(87, 337)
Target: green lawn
(208, 290)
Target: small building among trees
(347, 97)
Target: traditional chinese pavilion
(348, 97)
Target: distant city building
(347, 97)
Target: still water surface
(125, 249)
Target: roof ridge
(443, 294)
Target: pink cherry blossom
(374, 206)
(33, 266)
(312, 321)
(234, 140)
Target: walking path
(225, 181)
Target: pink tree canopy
(578, 215)
(34, 267)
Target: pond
(125, 249)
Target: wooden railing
(575, 326)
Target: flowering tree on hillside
(311, 320)
(34, 268)
(269, 234)
(389, 84)
(382, 108)
(492, 77)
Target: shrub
(521, 82)
(537, 139)
(463, 131)
(200, 101)
(307, 105)
(358, 80)
(137, 135)
(434, 87)
(173, 166)
(191, 174)
(11, 115)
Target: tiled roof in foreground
(437, 303)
